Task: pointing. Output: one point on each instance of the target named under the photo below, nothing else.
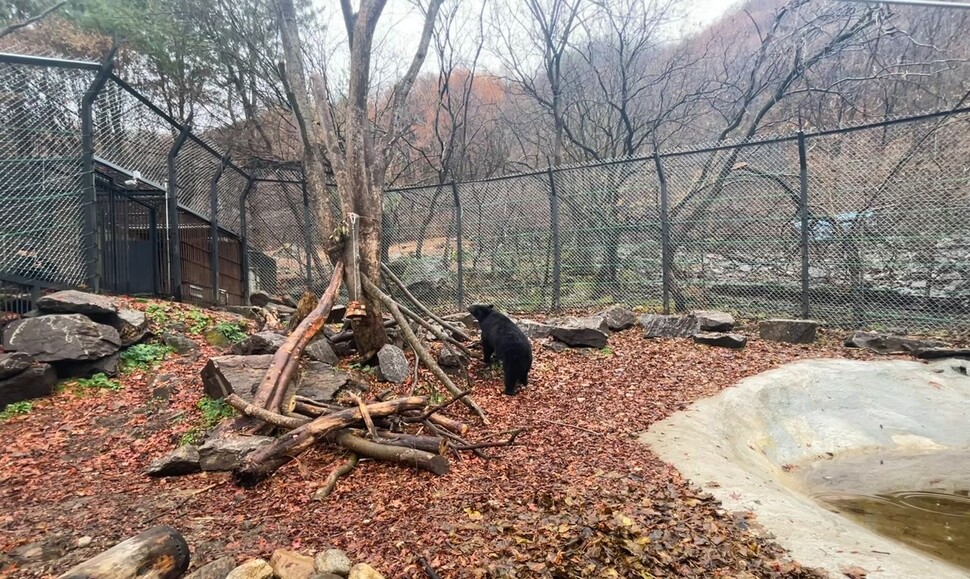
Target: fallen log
(450, 424)
(263, 462)
(435, 463)
(435, 331)
(423, 354)
(432, 444)
(158, 553)
(331, 483)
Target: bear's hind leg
(510, 382)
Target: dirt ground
(580, 497)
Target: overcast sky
(400, 27)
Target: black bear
(502, 337)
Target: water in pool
(922, 500)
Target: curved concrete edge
(725, 444)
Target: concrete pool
(848, 463)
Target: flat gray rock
(888, 344)
(315, 380)
(181, 461)
(938, 353)
(217, 569)
(181, 344)
(661, 326)
(322, 351)
(60, 337)
(226, 453)
(533, 329)
(588, 332)
(714, 321)
(76, 302)
(618, 318)
(720, 339)
(71, 369)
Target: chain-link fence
(859, 227)
(102, 189)
(856, 227)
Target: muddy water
(922, 500)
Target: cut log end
(160, 552)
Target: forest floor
(579, 497)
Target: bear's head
(481, 311)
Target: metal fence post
(664, 231)
(556, 248)
(89, 190)
(458, 245)
(803, 214)
(214, 222)
(307, 237)
(172, 209)
(244, 236)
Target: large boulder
(12, 363)
(183, 460)
(393, 364)
(260, 343)
(588, 332)
(314, 380)
(291, 565)
(789, 331)
(75, 302)
(888, 344)
(533, 329)
(661, 326)
(33, 382)
(714, 321)
(62, 337)
(132, 326)
(618, 318)
(226, 452)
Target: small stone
(714, 321)
(451, 358)
(224, 454)
(333, 561)
(181, 344)
(719, 339)
(321, 351)
(789, 331)
(83, 542)
(363, 571)
(252, 569)
(217, 569)
(393, 364)
(183, 460)
(555, 345)
(290, 565)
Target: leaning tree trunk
(369, 331)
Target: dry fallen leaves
(580, 498)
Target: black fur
(502, 337)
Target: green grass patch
(233, 332)
(213, 411)
(15, 409)
(98, 382)
(143, 356)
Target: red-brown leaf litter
(578, 497)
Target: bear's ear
(490, 306)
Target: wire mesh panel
(195, 167)
(41, 221)
(890, 247)
(130, 135)
(610, 234)
(733, 220)
(277, 234)
(420, 242)
(507, 242)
